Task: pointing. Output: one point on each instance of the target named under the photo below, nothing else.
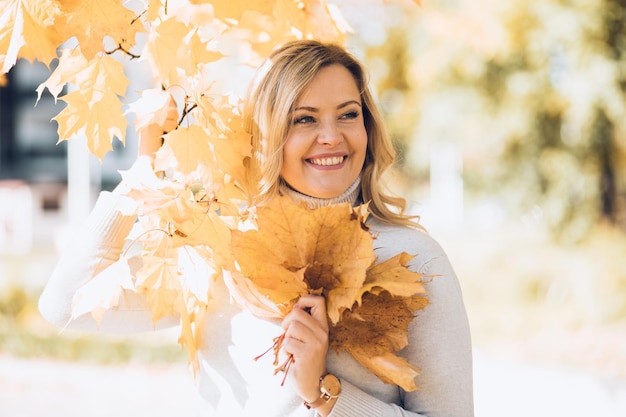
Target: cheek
(290, 149)
(362, 145)
(292, 154)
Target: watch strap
(321, 400)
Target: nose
(329, 134)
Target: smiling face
(326, 143)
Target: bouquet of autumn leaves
(329, 251)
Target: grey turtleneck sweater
(234, 385)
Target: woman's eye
(303, 120)
(350, 115)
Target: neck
(351, 195)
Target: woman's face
(326, 143)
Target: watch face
(331, 385)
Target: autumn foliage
(194, 226)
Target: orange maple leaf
(294, 251)
(95, 109)
(185, 148)
(27, 31)
(177, 49)
(206, 155)
(158, 277)
(99, 121)
(71, 63)
(91, 21)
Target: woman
(318, 138)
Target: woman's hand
(306, 338)
(151, 134)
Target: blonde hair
(278, 85)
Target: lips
(329, 161)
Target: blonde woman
(318, 138)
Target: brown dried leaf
(374, 332)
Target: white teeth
(336, 160)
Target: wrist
(329, 390)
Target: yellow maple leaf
(152, 107)
(196, 271)
(150, 201)
(199, 53)
(27, 31)
(195, 225)
(393, 276)
(185, 148)
(154, 9)
(189, 337)
(230, 150)
(95, 109)
(157, 278)
(211, 154)
(175, 212)
(292, 240)
(231, 144)
(246, 294)
(71, 62)
(163, 47)
(103, 291)
(90, 21)
(99, 121)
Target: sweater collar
(351, 195)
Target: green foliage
(533, 94)
(24, 333)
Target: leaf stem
(186, 111)
(284, 367)
(120, 48)
(142, 235)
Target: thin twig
(120, 48)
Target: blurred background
(510, 120)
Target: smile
(335, 160)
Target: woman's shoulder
(389, 240)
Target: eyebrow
(342, 105)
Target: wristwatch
(330, 387)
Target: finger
(315, 305)
(304, 343)
(300, 332)
(303, 317)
